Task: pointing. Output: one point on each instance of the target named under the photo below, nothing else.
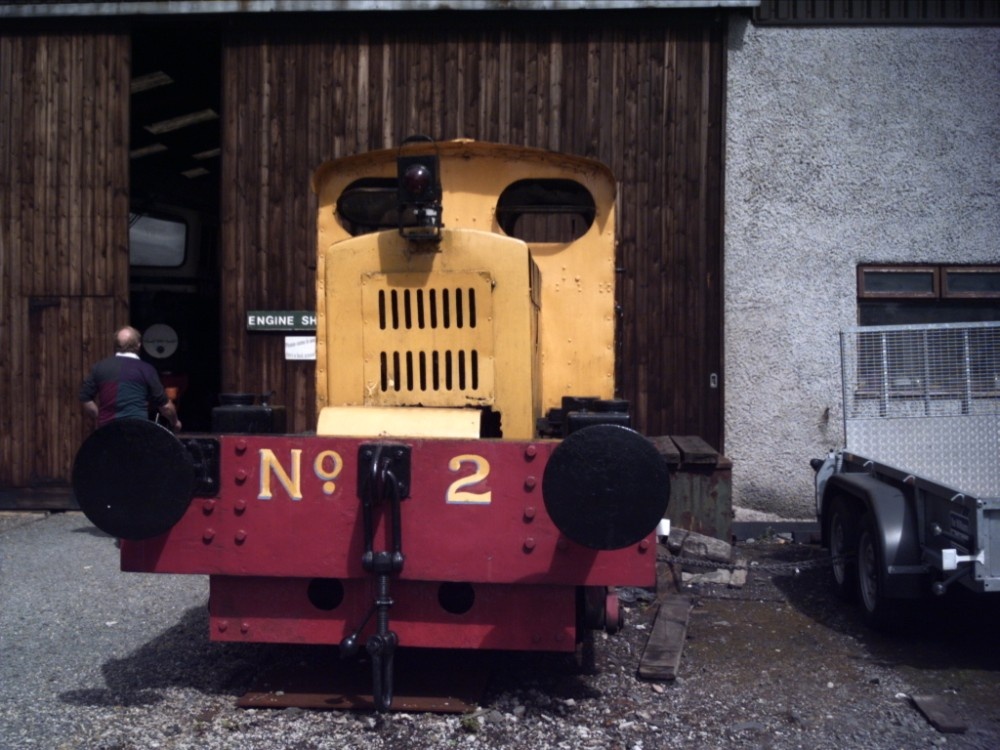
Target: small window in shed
(970, 282)
(369, 205)
(901, 282)
(546, 210)
(921, 294)
(156, 242)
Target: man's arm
(88, 394)
(90, 408)
(158, 397)
(169, 413)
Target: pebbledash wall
(844, 145)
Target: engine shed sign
(281, 320)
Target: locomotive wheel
(133, 479)
(606, 487)
(614, 614)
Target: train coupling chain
(752, 566)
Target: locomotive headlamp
(418, 195)
(416, 182)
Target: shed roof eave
(171, 7)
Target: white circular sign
(159, 341)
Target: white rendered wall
(844, 146)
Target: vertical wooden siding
(63, 238)
(643, 95)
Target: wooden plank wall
(640, 91)
(63, 237)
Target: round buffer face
(606, 487)
(133, 479)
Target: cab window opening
(546, 210)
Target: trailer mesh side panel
(926, 399)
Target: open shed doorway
(174, 168)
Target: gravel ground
(94, 659)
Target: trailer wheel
(879, 611)
(842, 531)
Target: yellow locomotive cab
(509, 309)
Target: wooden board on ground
(662, 655)
(426, 680)
(939, 713)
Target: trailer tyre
(879, 611)
(842, 531)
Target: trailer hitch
(383, 478)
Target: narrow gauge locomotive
(473, 483)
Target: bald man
(122, 386)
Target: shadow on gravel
(184, 657)
(956, 631)
(556, 675)
(92, 530)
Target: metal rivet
(241, 536)
(644, 545)
(244, 627)
(529, 513)
(223, 626)
(529, 544)
(240, 506)
(241, 475)
(208, 536)
(530, 452)
(530, 482)
(207, 506)
(241, 446)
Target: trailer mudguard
(895, 516)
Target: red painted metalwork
(288, 512)
(278, 610)
(257, 526)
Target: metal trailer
(912, 503)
